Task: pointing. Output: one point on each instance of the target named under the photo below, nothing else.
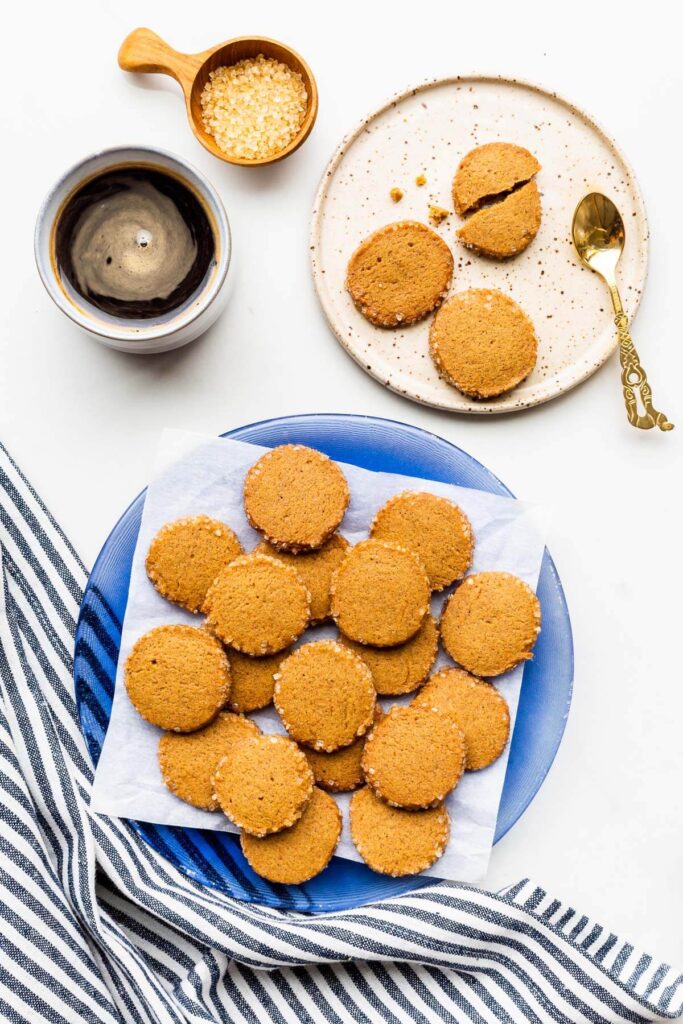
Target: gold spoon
(598, 233)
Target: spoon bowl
(144, 51)
(599, 235)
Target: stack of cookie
(199, 684)
(480, 340)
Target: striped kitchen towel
(96, 927)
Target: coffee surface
(135, 242)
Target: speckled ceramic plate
(427, 131)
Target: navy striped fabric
(97, 927)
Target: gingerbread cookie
(258, 605)
(414, 757)
(253, 680)
(402, 669)
(380, 594)
(314, 569)
(491, 170)
(296, 497)
(324, 695)
(188, 760)
(296, 854)
(177, 677)
(491, 623)
(186, 556)
(340, 771)
(479, 709)
(399, 274)
(506, 228)
(482, 343)
(434, 528)
(394, 841)
(264, 785)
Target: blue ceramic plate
(215, 858)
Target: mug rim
(127, 336)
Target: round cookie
(399, 274)
(394, 841)
(506, 228)
(479, 709)
(402, 669)
(264, 785)
(253, 680)
(258, 605)
(380, 594)
(298, 853)
(314, 569)
(414, 757)
(482, 343)
(188, 760)
(324, 695)
(177, 677)
(185, 557)
(296, 497)
(434, 528)
(340, 771)
(491, 170)
(491, 623)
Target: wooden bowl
(144, 51)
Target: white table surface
(605, 830)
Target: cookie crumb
(420, 180)
(437, 214)
(396, 194)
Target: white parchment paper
(196, 474)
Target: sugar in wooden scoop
(255, 108)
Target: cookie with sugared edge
(324, 695)
(397, 670)
(491, 170)
(340, 770)
(296, 497)
(399, 274)
(185, 557)
(253, 679)
(188, 760)
(414, 757)
(296, 854)
(479, 709)
(177, 677)
(482, 343)
(394, 841)
(506, 228)
(258, 605)
(264, 784)
(314, 569)
(434, 528)
(491, 623)
(380, 594)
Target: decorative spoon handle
(633, 377)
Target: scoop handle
(144, 51)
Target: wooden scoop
(144, 51)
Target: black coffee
(135, 242)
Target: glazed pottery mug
(128, 333)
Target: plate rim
(417, 881)
(317, 273)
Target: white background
(605, 831)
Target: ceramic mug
(155, 334)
